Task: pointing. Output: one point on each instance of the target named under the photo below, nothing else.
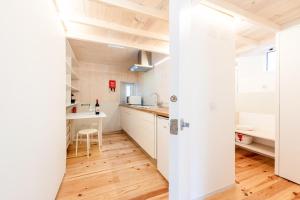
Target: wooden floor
(255, 180)
(122, 171)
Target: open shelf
(71, 105)
(73, 89)
(69, 62)
(258, 148)
(74, 75)
(263, 135)
(74, 62)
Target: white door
(202, 60)
(288, 161)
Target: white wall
(252, 76)
(255, 97)
(32, 84)
(93, 84)
(156, 80)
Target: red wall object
(112, 85)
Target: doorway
(203, 149)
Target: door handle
(174, 126)
(184, 124)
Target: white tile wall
(93, 84)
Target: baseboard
(215, 192)
(152, 160)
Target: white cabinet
(288, 148)
(163, 137)
(140, 126)
(125, 115)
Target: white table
(87, 115)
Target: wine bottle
(73, 98)
(97, 107)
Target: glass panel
(128, 90)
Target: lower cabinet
(141, 127)
(163, 137)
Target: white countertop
(85, 115)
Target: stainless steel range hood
(144, 62)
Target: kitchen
(150, 99)
(132, 89)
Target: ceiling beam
(105, 40)
(240, 13)
(246, 40)
(250, 43)
(138, 8)
(290, 24)
(115, 27)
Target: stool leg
(88, 145)
(91, 140)
(100, 130)
(99, 141)
(76, 143)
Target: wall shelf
(73, 89)
(71, 105)
(68, 87)
(263, 135)
(68, 65)
(75, 63)
(71, 75)
(74, 75)
(258, 148)
(72, 61)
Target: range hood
(144, 62)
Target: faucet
(157, 102)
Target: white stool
(88, 132)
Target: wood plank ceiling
(270, 16)
(99, 53)
(143, 24)
(140, 24)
